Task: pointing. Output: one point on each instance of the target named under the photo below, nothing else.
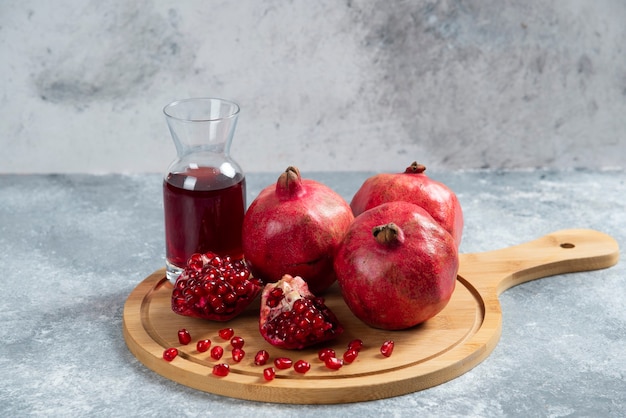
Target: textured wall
(324, 85)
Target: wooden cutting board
(448, 345)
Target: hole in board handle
(567, 245)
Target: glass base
(172, 271)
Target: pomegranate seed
(221, 369)
(387, 348)
(216, 260)
(217, 352)
(355, 345)
(170, 353)
(350, 355)
(269, 373)
(237, 342)
(184, 337)
(333, 363)
(325, 353)
(302, 366)
(203, 345)
(195, 262)
(238, 354)
(226, 333)
(283, 363)
(261, 357)
(274, 298)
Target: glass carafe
(204, 189)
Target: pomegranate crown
(389, 234)
(289, 184)
(415, 168)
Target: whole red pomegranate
(396, 266)
(292, 317)
(294, 227)
(413, 186)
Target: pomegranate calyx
(289, 184)
(415, 168)
(388, 234)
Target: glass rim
(175, 103)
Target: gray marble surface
(74, 246)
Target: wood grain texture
(442, 348)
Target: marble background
(325, 85)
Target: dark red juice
(204, 211)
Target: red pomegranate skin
(413, 186)
(400, 282)
(294, 227)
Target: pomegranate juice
(204, 211)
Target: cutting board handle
(564, 251)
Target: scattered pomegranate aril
(237, 342)
(217, 352)
(238, 354)
(325, 353)
(226, 333)
(302, 366)
(269, 373)
(221, 369)
(283, 363)
(170, 353)
(293, 318)
(214, 287)
(387, 348)
(350, 355)
(203, 345)
(261, 357)
(355, 345)
(184, 337)
(333, 363)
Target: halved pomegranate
(293, 318)
(214, 287)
